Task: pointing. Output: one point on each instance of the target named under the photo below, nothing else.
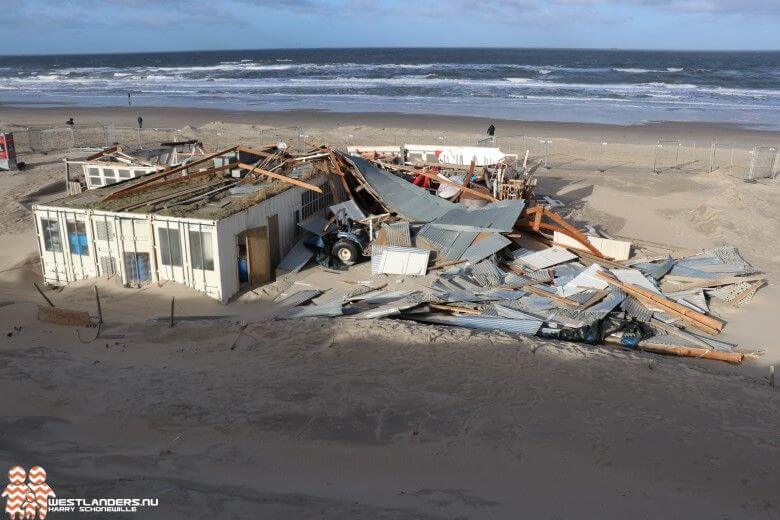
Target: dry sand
(347, 418)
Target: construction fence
(746, 161)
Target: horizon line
(180, 51)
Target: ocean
(589, 86)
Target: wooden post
(42, 294)
(99, 309)
(172, 302)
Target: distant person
(491, 131)
(70, 122)
(140, 122)
(129, 101)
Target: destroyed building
(113, 165)
(493, 257)
(214, 230)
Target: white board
(399, 260)
(546, 258)
(614, 249)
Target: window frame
(48, 244)
(201, 250)
(167, 255)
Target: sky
(104, 26)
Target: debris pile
(493, 258)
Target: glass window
(51, 235)
(94, 171)
(103, 230)
(138, 173)
(95, 181)
(110, 175)
(124, 174)
(170, 247)
(200, 250)
(77, 238)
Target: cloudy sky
(78, 26)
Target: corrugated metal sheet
(389, 309)
(399, 260)
(461, 282)
(298, 256)
(450, 245)
(528, 327)
(485, 247)
(693, 298)
(546, 258)
(486, 273)
(514, 279)
(635, 309)
(677, 341)
(690, 272)
(635, 277)
(401, 196)
(586, 279)
(592, 314)
(729, 292)
(398, 234)
(386, 297)
(350, 208)
(297, 298)
(656, 270)
(495, 216)
(502, 294)
(328, 309)
(462, 296)
(507, 312)
(314, 224)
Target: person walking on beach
(129, 101)
(491, 131)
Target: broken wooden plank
(60, 316)
(106, 151)
(138, 186)
(455, 308)
(289, 180)
(444, 180)
(659, 348)
(704, 284)
(696, 319)
(553, 296)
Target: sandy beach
(253, 418)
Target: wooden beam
(175, 180)
(540, 292)
(562, 226)
(260, 153)
(444, 180)
(133, 188)
(289, 180)
(696, 319)
(659, 348)
(101, 153)
(455, 308)
(704, 284)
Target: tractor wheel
(346, 251)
